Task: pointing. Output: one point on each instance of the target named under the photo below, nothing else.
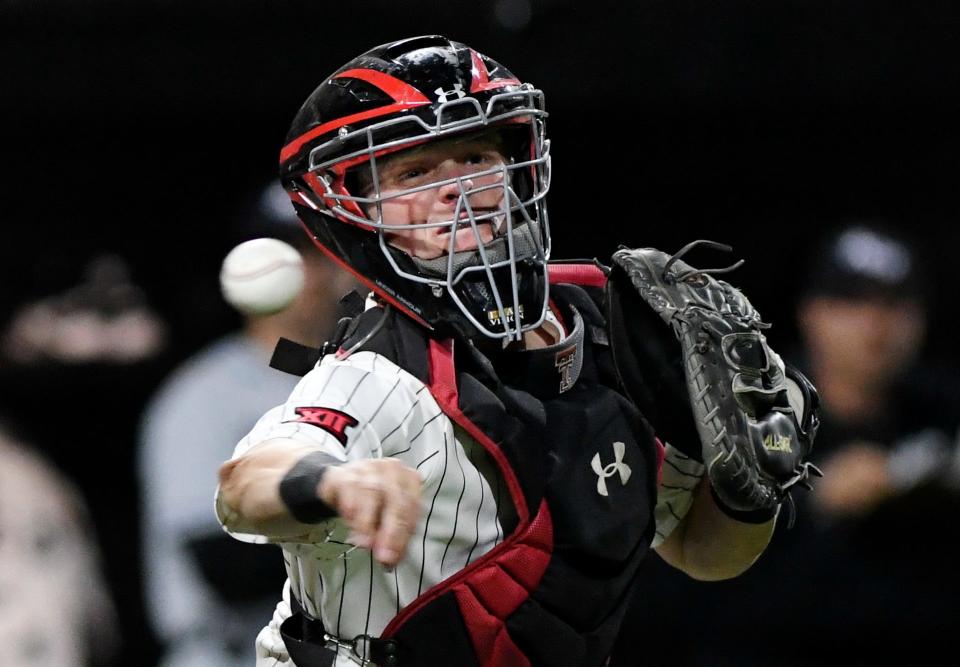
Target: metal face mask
(489, 278)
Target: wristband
(762, 515)
(298, 489)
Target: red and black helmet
(398, 96)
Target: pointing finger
(370, 497)
(401, 510)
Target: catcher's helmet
(405, 94)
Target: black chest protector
(581, 465)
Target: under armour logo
(447, 95)
(618, 466)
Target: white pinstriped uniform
(398, 417)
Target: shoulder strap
(393, 335)
(299, 359)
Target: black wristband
(759, 516)
(298, 489)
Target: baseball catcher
(474, 471)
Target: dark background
(140, 127)
(137, 126)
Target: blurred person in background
(888, 426)
(77, 361)
(208, 594)
(55, 610)
(104, 318)
(888, 448)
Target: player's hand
(379, 500)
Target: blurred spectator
(75, 368)
(103, 319)
(886, 428)
(208, 594)
(866, 575)
(888, 446)
(54, 607)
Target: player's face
(458, 158)
(871, 339)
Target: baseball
(262, 276)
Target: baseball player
(475, 469)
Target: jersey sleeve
(680, 477)
(349, 409)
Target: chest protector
(581, 465)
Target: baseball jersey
(365, 406)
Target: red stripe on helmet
(404, 95)
(314, 183)
(400, 91)
(480, 76)
(294, 146)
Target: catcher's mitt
(723, 386)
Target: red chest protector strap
(492, 587)
(586, 274)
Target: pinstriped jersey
(396, 417)
(392, 414)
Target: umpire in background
(888, 447)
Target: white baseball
(262, 276)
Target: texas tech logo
(332, 421)
(611, 469)
(564, 363)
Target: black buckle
(369, 649)
(384, 652)
(306, 641)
